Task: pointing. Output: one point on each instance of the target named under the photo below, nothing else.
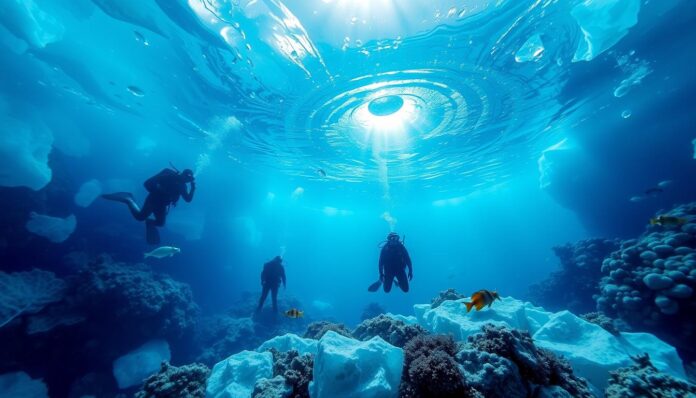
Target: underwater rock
(184, 381)
(642, 379)
(345, 367)
(289, 342)
(573, 286)
(449, 294)
(430, 369)
(221, 335)
(236, 376)
(650, 287)
(602, 321)
(133, 368)
(55, 229)
(316, 330)
(27, 293)
(89, 191)
(295, 369)
(391, 330)
(20, 385)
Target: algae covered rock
(187, 381)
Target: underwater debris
(183, 381)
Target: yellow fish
(667, 220)
(294, 313)
(481, 299)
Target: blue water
(485, 132)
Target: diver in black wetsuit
(164, 189)
(273, 273)
(393, 261)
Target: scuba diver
(164, 190)
(273, 273)
(393, 261)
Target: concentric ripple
(443, 114)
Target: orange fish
(481, 299)
(294, 313)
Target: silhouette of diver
(393, 261)
(164, 189)
(271, 276)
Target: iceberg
(88, 192)
(55, 229)
(131, 369)
(24, 152)
(30, 23)
(20, 385)
(345, 367)
(236, 376)
(289, 342)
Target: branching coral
(185, 381)
(393, 331)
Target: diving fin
(375, 286)
(151, 233)
(123, 197)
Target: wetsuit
(273, 273)
(393, 261)
(164, 190)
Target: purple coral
(185, 381)
(536, 366)
(430, 369)
(393, 331)
(316, 330)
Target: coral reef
(187, 381)
(649, 282)
(393, 331)
(271, 388)
(316, 330)
(644, 380)
(536, 366)
(431, 370)
(449, 294)
(296, 371)
(372, 310)
(574, 286)
(491, 375)
(602, 320)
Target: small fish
(321, 173)
(137, 91)
(481, 299)
(294, 313)
(663, 220)
(653, 191)
(162, 252)
(636, 199)
(664, 184)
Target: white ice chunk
(24, 152)
(603, 24)
(345, 367)
(55, 229)
(28, 22)
(289, 342)
(88, 192)
(131, 369)
(236, 376)
(531, 50)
